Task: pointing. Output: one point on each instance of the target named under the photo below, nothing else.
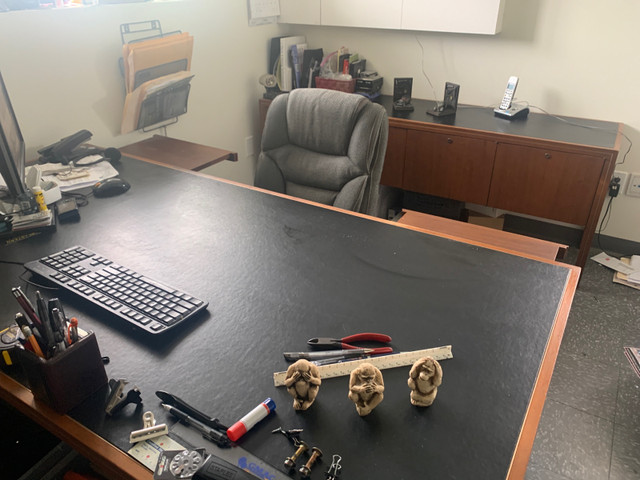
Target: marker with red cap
(246, 423)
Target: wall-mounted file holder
(155, 67)
(67, 379)
(165, 105)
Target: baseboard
(567, 235)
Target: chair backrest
(326, 146)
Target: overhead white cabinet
(305, 12)
(362, 13)
(456, 16)
(461, 16)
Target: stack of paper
(152, 67)
(631, 278)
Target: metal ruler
(394, 360)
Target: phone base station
(512, 113)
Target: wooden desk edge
(487, 236)
(109, 459)
(523, 449)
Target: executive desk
(277, 272)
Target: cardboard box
(496, 223)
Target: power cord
(435, 97)
(592, 127)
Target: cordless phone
(509, 93)
(507, 108)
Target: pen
(26, 305)
(72, 331)
(26, 331)
(353, 352)
(180, 404)
(47, 331)
(209, 433)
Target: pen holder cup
(67, 379)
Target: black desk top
(278, 272)
(579, 131)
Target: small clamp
(150, 429)
(334, 469)
(117, 399)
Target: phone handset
(509, 93)
(507, 108)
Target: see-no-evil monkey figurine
(424, 378)
(366, 388)
(303, 382)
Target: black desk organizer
(67, 379)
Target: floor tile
(628, 401)
(625, 460)
(594, 331)
(573, 443)
(585, 384)
(536, 472)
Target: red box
(348, 86)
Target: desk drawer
(545, 183)
(450, 166)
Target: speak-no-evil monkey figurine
(303, 382)
(366, 388)
(424, 378)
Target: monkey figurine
(303, 382)
(424, 378)
(366, 388)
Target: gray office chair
(326, 146)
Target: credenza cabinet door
(545, 183)
(449, 166)
(394, 158)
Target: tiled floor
(590, 426)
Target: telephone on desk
(507, 108)
(71, 149)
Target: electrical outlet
(249, 146)
(623, 176)
(634, 185)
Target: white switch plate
(249, 146)
(634, 185)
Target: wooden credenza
(544, 166)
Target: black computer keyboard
(141, 301)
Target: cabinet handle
(449, 140)
(547, 156)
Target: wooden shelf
(178, 153)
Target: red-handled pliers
(343, 343)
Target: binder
(286, 67)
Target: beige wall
(61, 69)
(573, 57)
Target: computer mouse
(110, 187)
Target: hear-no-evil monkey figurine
(366, 388)
(424, 378)
(303, 382)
